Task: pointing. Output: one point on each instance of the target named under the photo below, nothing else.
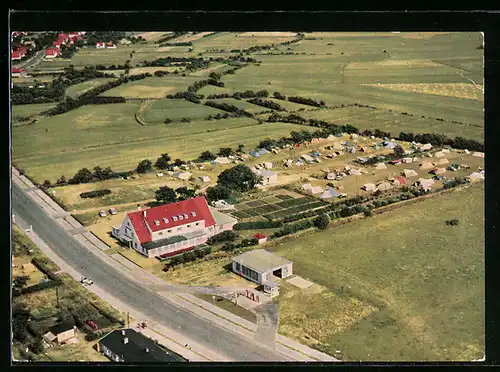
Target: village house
(130, 346)
(16, 72)
(61, 333)
(52, 53)
(172, 228)
(261, 238)
(100, 45)
(268, 177)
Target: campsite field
(427, 277)
(159, 110)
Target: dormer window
(157, 223)
(181, 217)
(174, 218)
(185, 216)
(165, 220)
(193, 214)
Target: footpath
(290, 349)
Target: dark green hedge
(95, 193)
(257, 225)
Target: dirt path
(267, 323)
(97, 209)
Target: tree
(20, 316)
(184, 193)
(399, 151)
(241, 147)
(162, 161)
(84, 175)
(368, 212)
(46, 184)
(21, 281)
(322, 221)
(61, 180)
(179, 162)
(37, 346)
(239, 178)
(225, 151)
(145, 166)
(207, 155)
(165, 195)
(217, 192)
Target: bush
(322, 221)
(229, 247)
(228, 235)
(368, 212)
(452, 222)
(292, 228)
(95, 193)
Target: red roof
(196, 209)
(401, 180)
(259, 236)
(99, 43)
(396, 161)
(17, 70)
(109, 44)
(52, 51)
(79, 38)
(16, 55)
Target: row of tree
(167, 195)
(266, 103)
(306, 101)
(84, 175)
(224, 106)
(189, 256)
(257, 48)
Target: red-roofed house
(100, 44)
(16, 55)
(52, 53)
(172, 228)
(110, 46)
(17, 71)
(57, 44)
(22, 50)
(261, 238)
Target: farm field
(153, 87)
(459, 90)
(229, 41)
(78, 89)
(408, 270)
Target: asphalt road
(33, 61)
(116, 283)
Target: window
(188, 225)
(179, 228)
(238, 266)
(180, 217)
(185, 216)
(193, 214)
(165, 220)
(160, 233)
(170, 230)
(157, 223)
(174, 218)
(249, 273)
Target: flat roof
(165, 241)
(221, 218)
(260, 260)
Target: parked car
(92, 324)
(112, 211)
(86, 281)
(102, 213)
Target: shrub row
(229, 247)
(293, 210)
(47, 267)
(224, 236)
(257, 48)
(228, 107)
(267, 104)
(95, 193)
(306, 101)
(257, 225)
(182, 43)
(35, 288)
(189, 256)
(293, 228)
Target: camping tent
(315, 190)
(369, 187)
(439, 170)
(443, 161)
(381, 166)
(355, 172)
(426, 165)
(425, 183)
(400, 180)
(205, 179)
(326, 170)
(427, 146)
(407, 160)
(475, 176)
(445, 151)
(390, 145)
(254, 153)
(439, 154)
(331, 176)
(329, 193)
(306, 186)
(222, 160)
(478, 154)
(384, 186)
(409, 173)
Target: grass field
(429, 278)
(174, 110)
(458, 90)
(229, 41)
(395, 122)
(153, 87)
(28, 110)
(78, 89)
(113, 138)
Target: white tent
(384, 186)
(443, 161)
(355, 172)
(425, 183)
(381, 166)
(369, 187)
(409, 173)
(445, 151)
(478, 154)
(426, 165)
(407, 160)
(439, 170)
(222, 160)
(475, 176)
(439, 154)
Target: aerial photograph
(206, 196)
